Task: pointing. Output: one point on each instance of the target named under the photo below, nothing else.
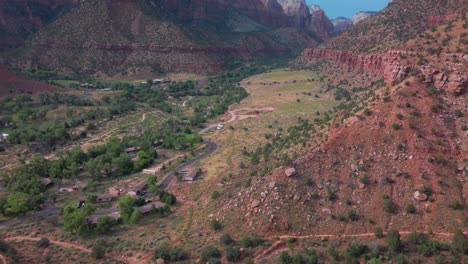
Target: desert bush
(233, 253)
(393, 240)
(216, 225)
(99, 250)
(43, 242)
(169, 253)
(210, 252)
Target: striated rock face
(319, 23)
(389, 65)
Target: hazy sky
(348, 8)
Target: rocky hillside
(19, 19)
(397, 23)
(396, 161)
(129, 37)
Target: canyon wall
(391, 66)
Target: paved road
(209, 149)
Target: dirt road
(281, 243)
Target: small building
(131, 150)
(190, 175)
(46, 182)
(104, 198)
(139, 188)
(147, 209)
(93, 219)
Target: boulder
(290, 172)
(160, 261)
(420, 196)
(255, 203)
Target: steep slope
(398, 22)
(19, 19)
(126, 36)
(403, 146)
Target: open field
(289, 100)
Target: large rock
(420, 196)
(290, 172)
(160, 261)
(255, 204)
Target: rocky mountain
(361, 16)
(19, 19)
(397, 23)
(167, 35)
(341, 24)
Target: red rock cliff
(390, 65)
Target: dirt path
(236, 117)
(64, 244)
(184, 104)
(281, 243)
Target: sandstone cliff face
(319, 23)
(390, 65)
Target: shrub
(353, 216)
(216, 225)
(251, 241)
(393, 240)
(233, 253)
(456, 205)
(226, 239)
(378, 232)
(355, 250)
(410, 208)
(215, 195)
(389, 206)
(375, 261)
(460, 242)
(331, 195)
(99, 250)
(396, 126)
(43, 242)
(169, 253)
(334, 253)
(209, 252)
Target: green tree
(73, 218)
(105, 224)
(136, 215)
(126, 204)
(17, 203)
